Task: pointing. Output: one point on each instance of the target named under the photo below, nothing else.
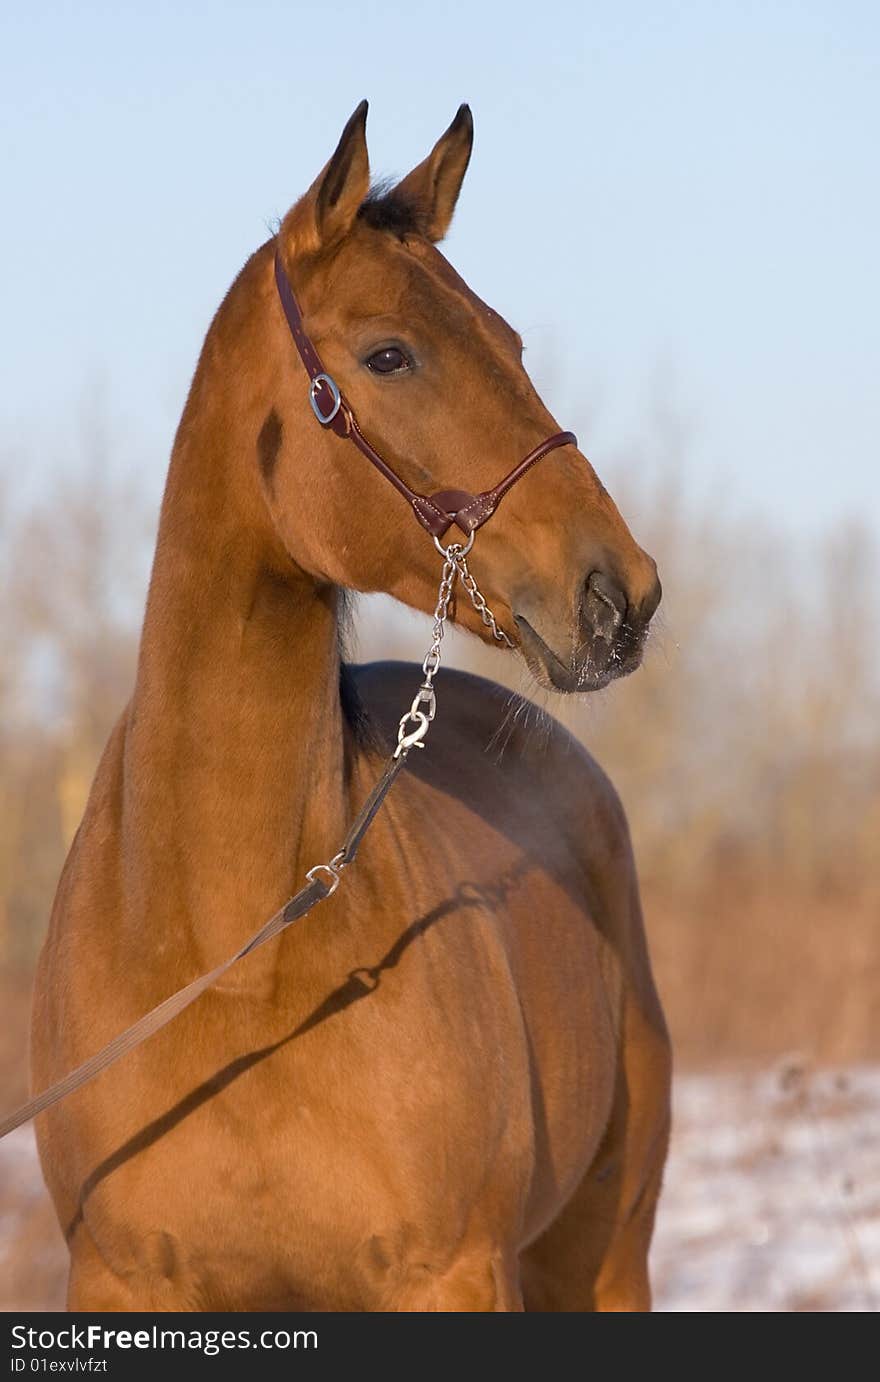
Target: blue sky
(677, 204)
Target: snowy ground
(772, 1196)
(772, 1199)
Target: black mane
(366, 732)
(387, 208)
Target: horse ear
(327, 211)
(435, 184)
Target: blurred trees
(74, 568)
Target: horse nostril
(648, 607)
(604, 606)
(645, 608)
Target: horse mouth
(597, 665)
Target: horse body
(447, 1087)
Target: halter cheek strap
(436, 512)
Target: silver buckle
(325, 418)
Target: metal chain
(426, 696)
(424, 706)
(414, 725)
(476, 598)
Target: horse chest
(398, 1112)
(334, 1163)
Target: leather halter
(436, 512)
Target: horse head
(436, 381)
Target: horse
(448, 1088)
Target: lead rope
(322, 879)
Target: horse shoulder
(501, 740)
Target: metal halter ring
(325, 418)
(460, 551)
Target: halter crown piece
(436, 512)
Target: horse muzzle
(607, 640)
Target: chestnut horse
(448, 1087)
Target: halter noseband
(436, 512)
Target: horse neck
(235, 746)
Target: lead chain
(476, 598)
(424, 706)
(414, 724)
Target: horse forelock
(389, 208)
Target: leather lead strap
(365, 816)
(436, 512)
(157, 1018)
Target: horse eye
(388, 361)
